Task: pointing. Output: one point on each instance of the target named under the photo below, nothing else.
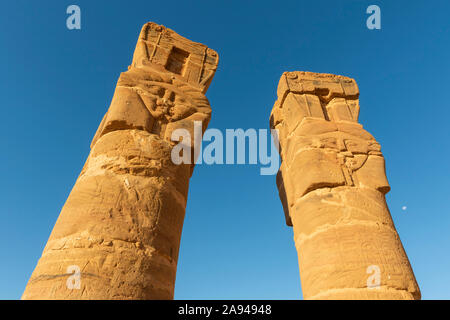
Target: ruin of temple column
(119, 230)
(332, 184)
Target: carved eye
(356, 146)
(329, 143)
(179, 99)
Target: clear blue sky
(56, 84)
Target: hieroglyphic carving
(332, 184)
(122, 221)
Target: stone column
(332, 184)
(118, 234)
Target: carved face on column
(346, 155)
(322, 144)
(164, 87)
(147, 102)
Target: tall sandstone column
(121, 225)
(332, 184)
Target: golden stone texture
(122, 222)
(332, 184)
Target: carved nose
(341, 145)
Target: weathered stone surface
(122, 222)
(332, 185)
